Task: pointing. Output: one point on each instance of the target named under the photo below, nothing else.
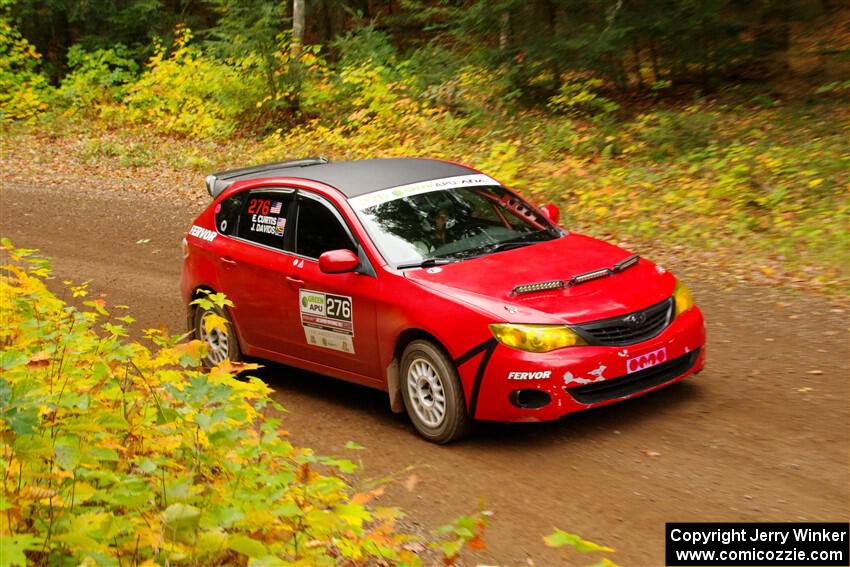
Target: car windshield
(438, 225)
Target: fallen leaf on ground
(411, 482)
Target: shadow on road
(347, 404)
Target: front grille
(630, 328)
(635, 382)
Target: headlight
(683, 297)
(535, 338)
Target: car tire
(220, 346)
(432, 392)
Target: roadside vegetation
(666, 153)
(124, 452)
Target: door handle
(294, 280)
(228, 261)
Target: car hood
(486, 282)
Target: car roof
(351, 178)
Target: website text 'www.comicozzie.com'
(743, 544)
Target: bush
(189, 93)
(24, 92)
(119, 453)
(580, 97)
(665, 134)
(364, 45)
(97, 77)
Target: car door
(335, 313)
(255, 269)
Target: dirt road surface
(761, 435)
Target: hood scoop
(523, 289)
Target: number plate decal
(328, 320)
(646, 360)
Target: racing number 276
(339, 307)
(258, 207)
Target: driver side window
(319, 230)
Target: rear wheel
(433, 394)
(221, 343)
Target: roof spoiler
(218, 182)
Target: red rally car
(433, 282)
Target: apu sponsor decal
(386, 195)
(539, 375)
(647, 360)
(328, 320)
(202, 233)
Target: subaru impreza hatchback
(435, 283)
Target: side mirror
(551, 212)
(338, 261)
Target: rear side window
(319, 230)
(264, 217)
(227, 213)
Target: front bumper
(522, 386)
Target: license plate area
(646, 360)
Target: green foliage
(116, 452)
(773, 181)
(133, 154)
(580, 97)
(629, 43)
(665, 134)
(187, 92)
(56, 26)
(560, 538)
(363, 46)
(97, 77)
(24, 92)
(767, 173)
(465, 531)
(251, 36)
(834, 87)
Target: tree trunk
(637, 64)
(504, 30)
(298, 21)
(653, 57)
(298, 24)
(551, 15)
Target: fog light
(529, 399)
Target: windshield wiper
(427, 263)
(508, 245)
(469, 254)
(497, 247)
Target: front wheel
(433, 394)
(221, 343)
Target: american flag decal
(275, 210)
